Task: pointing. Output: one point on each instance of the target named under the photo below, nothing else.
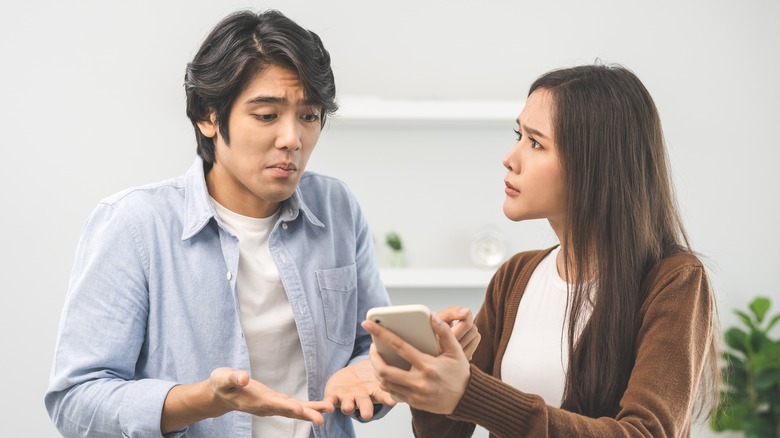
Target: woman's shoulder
(526, 257)
(678, 277)
(520, 266)
(677, 262)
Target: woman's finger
(401, 347)
(447, 341)
(454, 313)
(471, 346)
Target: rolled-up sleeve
(92, 389)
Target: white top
(537, 354)
(275, 353)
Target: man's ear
(209, 126)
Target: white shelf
(436, 278)
(366, 110)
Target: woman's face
(534, 182)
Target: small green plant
(393, 240)
(750, 398)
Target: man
(222, 302)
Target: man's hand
(240, 393)
(356, 387)
(232, 390)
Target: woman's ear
(209, 126)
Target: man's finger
(319, 406)
(383, 397)
(314, 416)
(241, 378)
(347, 406)
(226, 379)
(366, 407)
(302, 411)
(332, 399)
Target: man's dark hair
(241, 45)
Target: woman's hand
(462, 322)
(434, 384)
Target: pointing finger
(447, 341)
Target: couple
(230, 301)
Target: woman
(609, 334)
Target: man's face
(273, 130)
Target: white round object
(488, 248)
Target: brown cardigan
(671, 347)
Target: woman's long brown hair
(622, 219)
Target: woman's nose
(510, 160)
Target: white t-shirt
(275, 353)
(537, 354)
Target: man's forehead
(275, 85)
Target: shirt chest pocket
(338, 288)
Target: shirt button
(229, 275)
(284, 226)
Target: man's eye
(265, 117)
(310, 117)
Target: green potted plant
(750, 397)
(393, 240)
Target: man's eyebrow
(259, 100)
(532, 131)
(265, 99)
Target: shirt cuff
(141, 409)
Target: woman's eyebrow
(532, 131)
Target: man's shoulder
(312, 179)
(316, 187)
(147, 196)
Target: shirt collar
(199, 210)
(295, 204)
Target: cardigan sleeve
(671, 348)
(490, 322)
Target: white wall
(93, 102)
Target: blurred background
(93, 102)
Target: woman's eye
(518, 134)
(535, 144)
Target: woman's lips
(510, 190)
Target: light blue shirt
(152, 303)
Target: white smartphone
(410, 322)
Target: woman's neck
(570, 275)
